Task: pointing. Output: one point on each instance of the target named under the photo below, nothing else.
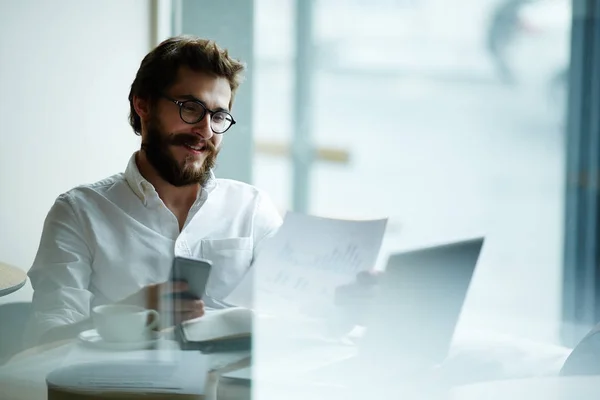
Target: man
(113, 241)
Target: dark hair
(159, 69)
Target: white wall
(65, 71)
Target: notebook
(222, 330)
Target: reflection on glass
(453, 119)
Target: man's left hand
(355, 298)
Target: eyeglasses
(192, 112)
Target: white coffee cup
(123, 323)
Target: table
(30, 374)
(286, 377)
(24, 376)
(547, 388)
(11, 279)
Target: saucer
(92, 338)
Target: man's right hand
(151, 297)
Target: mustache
(189, 139)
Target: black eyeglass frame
(206, 111)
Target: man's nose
(203, 129)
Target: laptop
(414, 314)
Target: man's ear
(142, 107)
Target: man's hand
(355, 298)
(361, 290)
(182, 309)
(150, 298)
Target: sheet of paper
(88, 368)
(299, 269)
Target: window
(452, 119)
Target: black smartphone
(195, 272)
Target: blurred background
(453, 119)
(447, 118)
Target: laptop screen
(421, 296)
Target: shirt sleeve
(60, 274)
(267, 221)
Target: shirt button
(180, 247)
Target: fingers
(360, 291)
(182, 317)
(153, 293)
(197, 313)
(187, 305)
(187, 310)
(173, 287)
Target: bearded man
(114, 241)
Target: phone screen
(195, 272)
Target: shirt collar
(142, 188)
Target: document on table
(299, 268)
(186, 377)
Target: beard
(157, 148)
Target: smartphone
(195, 272)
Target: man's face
(182, 153)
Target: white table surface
(546, 388)
(24, 377)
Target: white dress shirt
(105, 241)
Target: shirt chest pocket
(230, 259)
